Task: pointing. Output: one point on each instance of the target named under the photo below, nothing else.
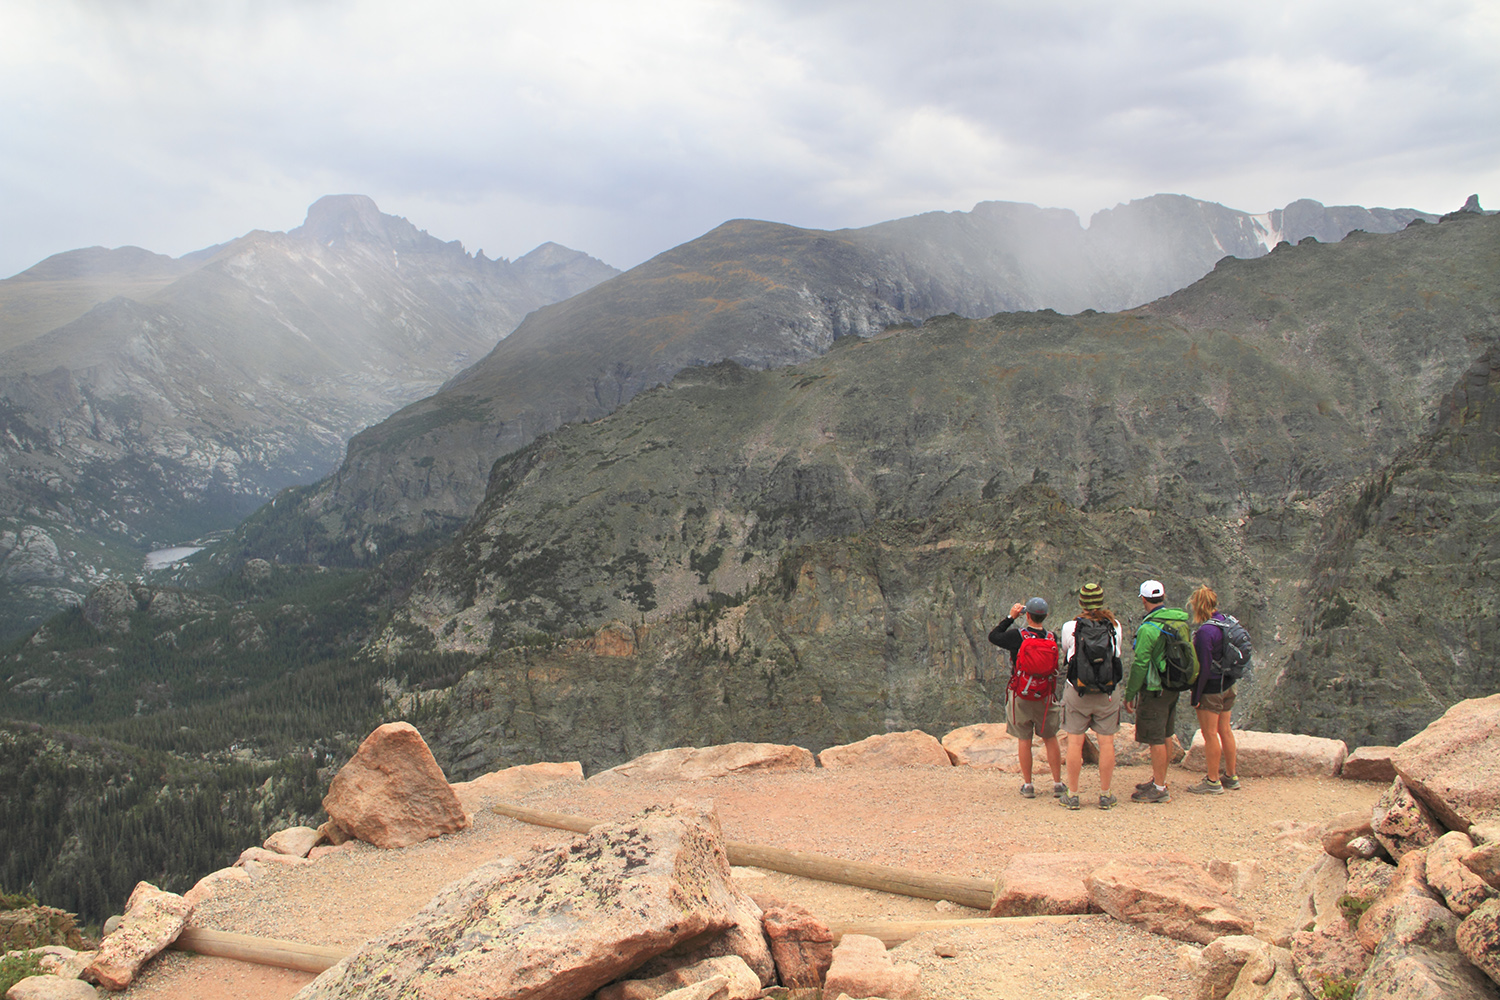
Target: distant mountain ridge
(763, 295)
(207, 383)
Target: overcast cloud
(624, 129)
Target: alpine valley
(778, 485)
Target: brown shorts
(1222, 702)
(1099, 712)
(1025, 719)
(1156, 717)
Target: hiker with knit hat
(1031, 705)
(1093, 694)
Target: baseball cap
(1153, 590)
(1037, 608)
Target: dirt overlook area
(963, 821)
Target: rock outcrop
(392, 792)
(153, 919)
(560, 924)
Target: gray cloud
(624, 129)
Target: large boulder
(1039, 884)
(1277, 755)
(1369, 764)
(863, 968)
(511, 783)
(695, 763)
(1222, 962)
(1450, 765)
(801, 944)
(392, 792)
(1407, 897)
(153, 919)
(985, 745)
(1402, 822)
(1478, 939)
(296, 841)
(740, 982)
(909, 749)
(1171, 895)
(51, 988)
(1460, 888)
(557, 926)
(745, 940)
(1330, 952)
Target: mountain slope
(850, 528)
(151, 420)
(763, 295)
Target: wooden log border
(975, 893)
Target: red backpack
(1036, 665)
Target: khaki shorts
(1096, 711)
(1025, 719)
(1156, 717)
(1222, 702)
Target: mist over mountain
(147, 400)
(763, 295)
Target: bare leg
(1231, 750)
(1023, 752)
(1106, 760)
(1075, 760)
(1054, 758)
(1159, 764)
(1208, 723)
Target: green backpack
(1179, 671)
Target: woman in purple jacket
(1213, 695)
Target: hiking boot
(1059, 789)
(1150, 794)
(1108, 801)
(1028, 791)
(1145, 786)
(1071, 801)
(1230, 781)
(1206, 787)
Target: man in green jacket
(1155, 708)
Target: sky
(623, 129)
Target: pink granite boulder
(1369, 764)
(1402, 822)
(392, 792)
(1450, 765)
(909, 749)
(1277, 755)
(801, 944)
(511, 783)
(557, 926)
(986, 745)
(152, 921)
(863, 968)
(697, 763)
(1171, 895)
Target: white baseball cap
(1153, 590)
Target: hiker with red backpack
(1031, 705)
(1163, 667)
(1223, 648)
(1094, 693)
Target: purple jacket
(1208, 643)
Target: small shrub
(1352, 909)
(14, 968)
(1339, 987)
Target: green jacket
(1146, 667)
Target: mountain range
(762, 295)
(147, 400)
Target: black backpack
(1235, 661)
(1179, 670)
(1095, 665)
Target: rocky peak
(355, 218)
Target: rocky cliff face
(232, 375)
(762, 295)
(816, 552)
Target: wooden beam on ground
(972, 892)
(894, 932)
(261, 951)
